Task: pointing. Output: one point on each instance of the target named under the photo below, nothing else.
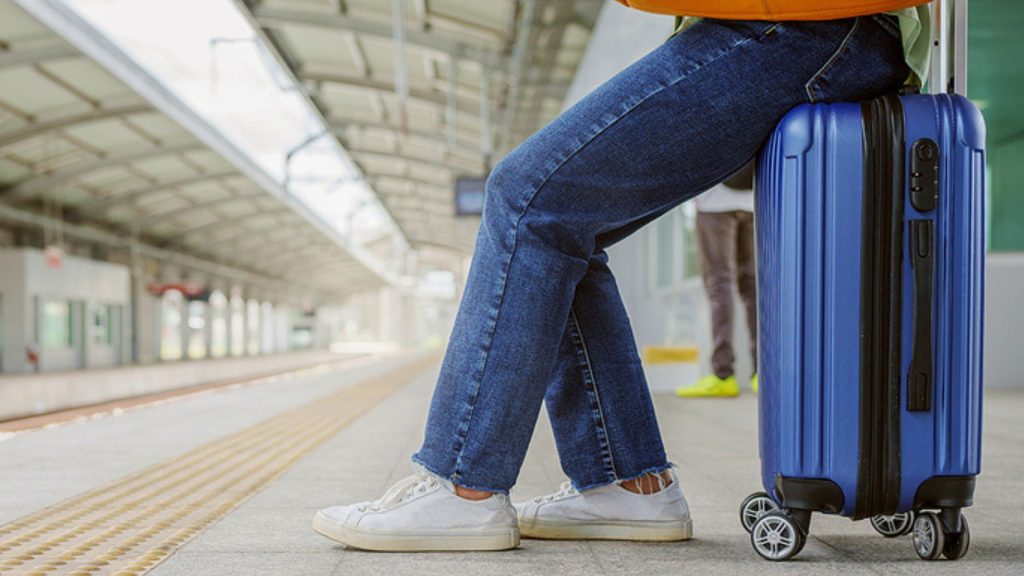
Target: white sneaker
(422, 513)
(607, 513)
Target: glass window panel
(218, 324)
(253, 326)
(196, 329)
(171, 312)
(100, 319)
(237, 326)
(56, 324)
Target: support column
(208, 329)
(245, 324)
(136, 293)
(183, 328)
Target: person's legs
(716, 239)
(596, 355)
(716, 243)
(613, 493)
(746, 277)
(673, 124)
(598, 376)
(652, 137)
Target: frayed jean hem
(620, 479)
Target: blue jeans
(541, 319)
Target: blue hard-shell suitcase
(870, 250)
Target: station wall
(61, 318)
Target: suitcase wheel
(777, 536)
(931, 539)
(753, 507)
(895, 525)
(958, 543)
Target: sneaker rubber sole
(670, 531)
(419, 541)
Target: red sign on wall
(54, 257)
(188, 289)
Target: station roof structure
(80, 150)
(93, 145)
(461, 84)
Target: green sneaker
(711, 386)
(753, 383)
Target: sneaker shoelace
(403, 490)
(564, 491)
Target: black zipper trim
(878, 466)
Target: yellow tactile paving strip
(133, 524)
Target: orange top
(771, 9)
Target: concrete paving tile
(300, 493)
(249, 564)
(12, 513)
(534, 558)
(262, 531)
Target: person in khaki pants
(725, 240)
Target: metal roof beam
(378, 179)
(268, 258)
(206, 205)
(442, 164)
(339, 6)
(295, 253)
(517, 67)
(455, 23)
(242, 241)
(303, 267)
(276, 18)
(340, 125)
(564, 12)
(39, 183)
(101, 206)
(36, 129)
(426, 96)
(223, 223)
(36, 55)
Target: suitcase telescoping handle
(924, 193)
(949, 47)
(949, 73)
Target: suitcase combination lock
(924, 175)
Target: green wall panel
(996, 83)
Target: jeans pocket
(813, 86)
(868, 62)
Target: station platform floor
(226, 483)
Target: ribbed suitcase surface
(811, 246)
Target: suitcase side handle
(922, 260)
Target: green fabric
(915, 27)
